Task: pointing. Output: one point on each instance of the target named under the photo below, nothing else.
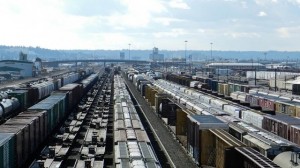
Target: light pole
(129, 50)
(185, 42)
(265, 56)
(211, 51)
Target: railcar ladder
(212, 157)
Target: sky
(238, 25)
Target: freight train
(90, 120)
(279, 124)
(22, 96)
(265, 101)
(178, 116)
(132, 144)
(23, 134)
(283, 106)
(269, 102)
(209, 85)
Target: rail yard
(120, 116)
(218, 121)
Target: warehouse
(23, 68)
(284, 83)
(236, 65)
(267, 75)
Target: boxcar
(253, 101)
(214, 86)
(296, 89)
(253, 117)
(267, 104)
(287, 107)
(279, 124)
(230, 87)
(295, 134)
(200, 141)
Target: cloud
(166, 21)
(288, 32)
(205, 31)
(138, 14)
(113, 24)
(244, 4)
(262, 14)
(283, 32)
(265, 2)
(31, 23)
(178, 4)
(294, 1)
(242, 34)
(173, 33)
(91, 7)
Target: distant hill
(12, 52)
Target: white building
(267, 75)
(155, 56)
(235, 65)
(24, 68)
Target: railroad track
(69, 147)
(225, 137)
(174, 152)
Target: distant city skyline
(237, 25)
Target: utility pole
(275, 79)
(185, 43)
(190, 58)
(265, 55)
(129, 50)
(211, 51)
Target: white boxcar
(182, 89)
(189, 91)
(44, 88)
(234, 95)
(233, 110)
(217, 103)
(242, 97)
(253, 91)
(196, 94)
(252, 118)
(204, 106)
(136, 78)
(205, 99)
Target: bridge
(56, 63)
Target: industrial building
(155, 56)
(22, 68)
(237, 65)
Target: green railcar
(22, 96)
(7, 152)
